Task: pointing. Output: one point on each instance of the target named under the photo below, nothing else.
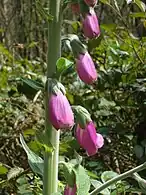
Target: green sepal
(54, 86)
(82, 116)
(77, 47)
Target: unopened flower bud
(60, 112)
(90, 25)
(86, 68)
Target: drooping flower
(89, 139)
(60, 112)
(90, 25)
(69, 190)
(75, 7)
(86, 68)
(91, 3)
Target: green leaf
(93, 43)
(97, 184)
(104, 103)
(78, 158)
(3, 169)
(107, 175)
(82, 180)
(76, 25)
(141, 5)
(57, 193)
(68, 146)
(29, 132)
(36, 163)
(62, 64)
(33, 84)
(139, 151)
(42, 142)
(25, 189)
(92, 164)
(92, 175)
(105, 1)
(138, 15)
(68, 173)
(14, 172)
(108, 27)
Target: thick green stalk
(118, 178)
(50, 179)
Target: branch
(118, 178)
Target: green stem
(118, 178)
(50, 177)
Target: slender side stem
(50, 179)
(118, 178)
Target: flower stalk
(50, 177)
(118, 178)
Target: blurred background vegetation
(117, 101)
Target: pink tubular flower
(91, 3)
(91, 26)
(69, 190)
(86, 68)
(89, 139)
(60, 112)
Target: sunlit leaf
(36, 163)
(14, 172)
(107, 175)
(105, 1)
(138, 15)
(3, 169)
(140, 4)
(82, 180)
(62, 64)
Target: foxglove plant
(58, 113)
(86, 68)
(89, 139)
(84, 64)
(86, 132)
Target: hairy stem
(50, 179)
(118, 178)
